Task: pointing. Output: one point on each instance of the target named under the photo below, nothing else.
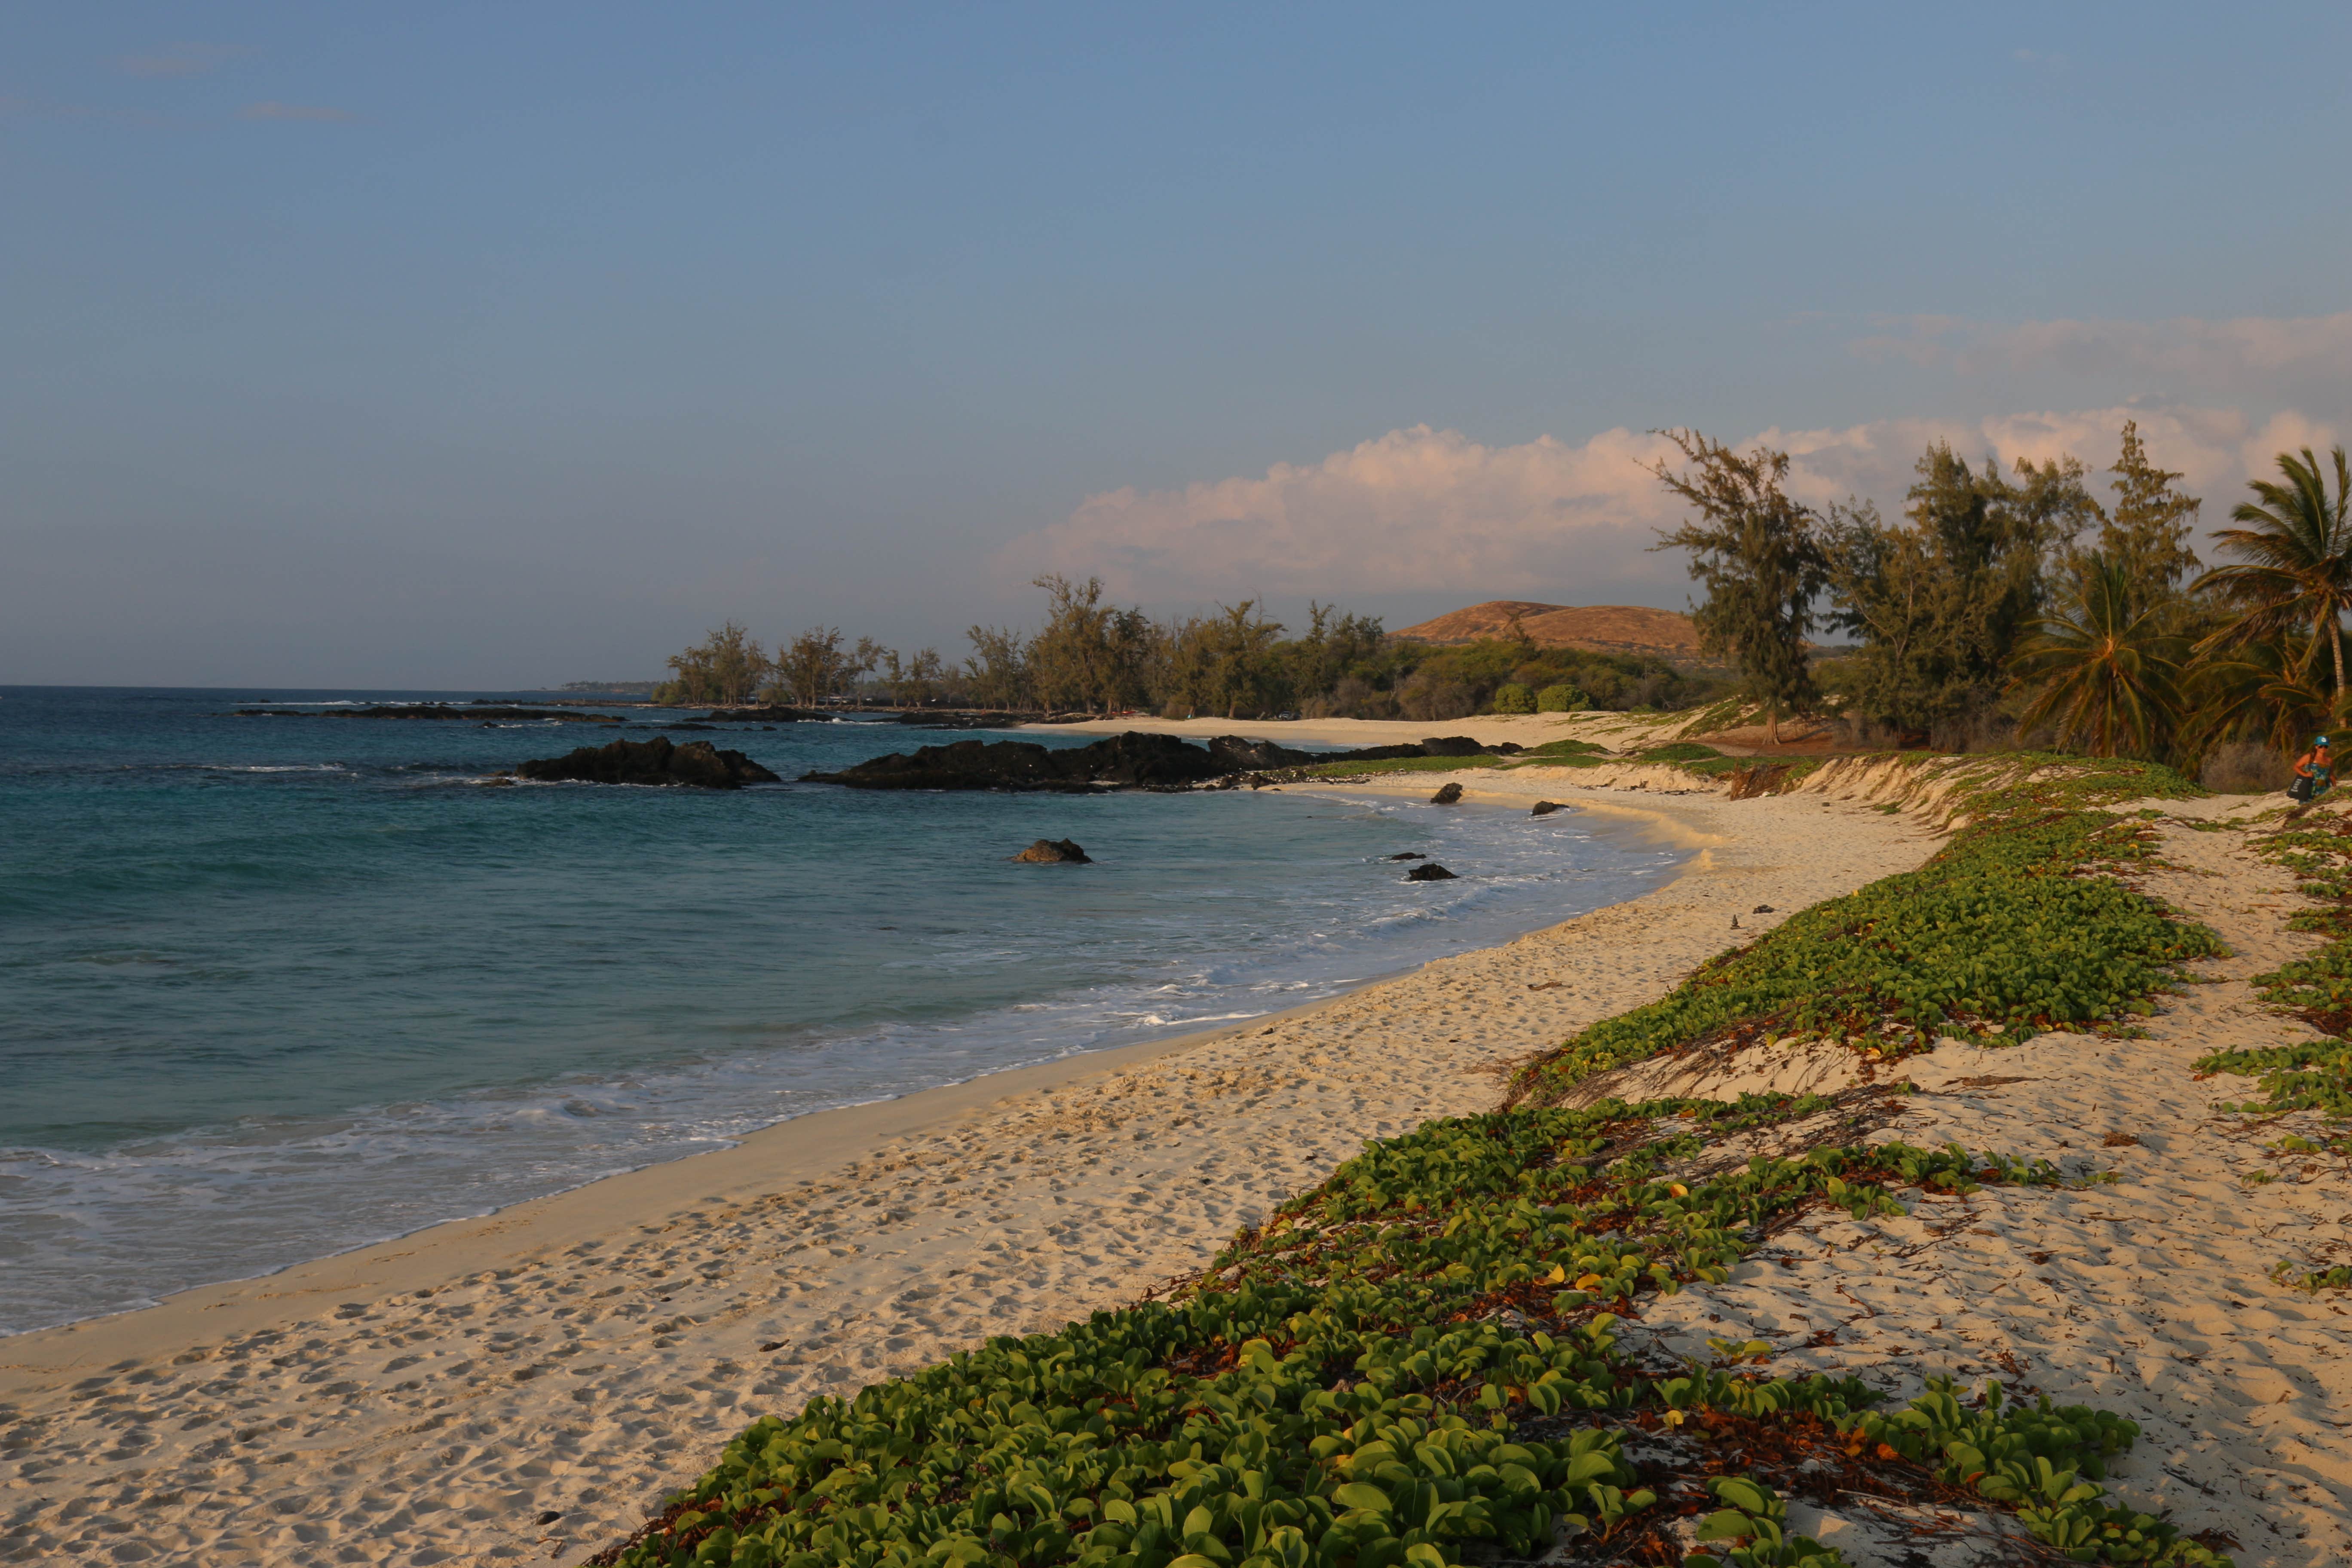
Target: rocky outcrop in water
(1054, 852)
(1430, 872)
(1242, 756)
(697, 765)
(1449, 795)
(1546, 807)
(1136, 759)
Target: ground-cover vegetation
(1418, 1364)
(2013, 929)
(2311, 1075)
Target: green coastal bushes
(1562, 698)
(1512, 698)
(2009, 930)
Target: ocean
(275, 987)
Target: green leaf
(1729, 1525)
(1742, 1493)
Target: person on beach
(2315, 772)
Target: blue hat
(2320, 741)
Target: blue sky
(486, 346)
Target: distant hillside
(1603, 629)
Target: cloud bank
(2210, 352)
(1423, 510)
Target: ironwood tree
(1758, 552)
(1939, 602)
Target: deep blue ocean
(273, 987)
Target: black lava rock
(697, 764)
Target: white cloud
(1432, 510)
(2215, 449)
(1414, 508)
(293, 111)
(2190, 348)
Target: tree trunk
(2335, 640)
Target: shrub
(1425, 696)
(2245, 767)
(1512, 698)
(1177, 709)
(1561, 700)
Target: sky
(494, 346)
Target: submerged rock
(1546, 807)
(1054, 852)
(1431, 872)
(1410, 855)
(1450, 794)
(697, 764)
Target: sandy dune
(435, 1400)
(2149, 1296)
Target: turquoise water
(274, 987)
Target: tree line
(1091, 655)
(2022, 607)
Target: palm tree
(2261, 692)
(2298, 571)
(2105, 670)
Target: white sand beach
(526, 1387)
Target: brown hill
(1604, 628)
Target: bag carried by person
(2300, 789)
